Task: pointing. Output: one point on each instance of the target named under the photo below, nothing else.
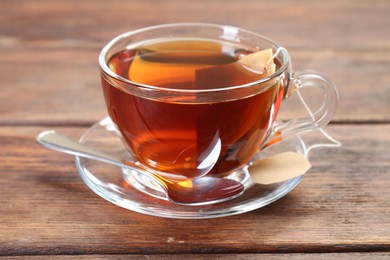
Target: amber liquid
(189, 138)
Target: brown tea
(184, 135)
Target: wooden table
(49, 80)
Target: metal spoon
(197, 191)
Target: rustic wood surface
(306, 256)
(49, 79)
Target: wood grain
(326, 256)
(49, 51)
(342, 205)
(84, 23)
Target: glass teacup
(184, 105)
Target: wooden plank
(359, 76)
(83, 23)
(341, 256)
(342, 205)
(63, 86)
(50, 87)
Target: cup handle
(316, 120)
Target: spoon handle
(59, 142)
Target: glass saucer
(124, 187)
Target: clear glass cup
(219, 139)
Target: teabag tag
(279, 168)
(249, 68)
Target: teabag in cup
(251, 67)
(164, 63)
